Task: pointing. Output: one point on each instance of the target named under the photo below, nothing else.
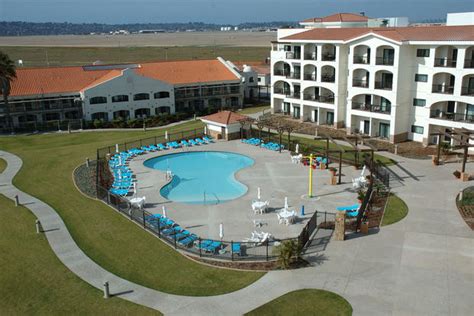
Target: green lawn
(396, 210)
(33, 281)
(61, 56)
(3, 165)
(108, 238)
(255, 109)
(306, 302)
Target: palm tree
(7, 74)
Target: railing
(294, 95)
(467, 91)
(371, 107)
(360, 83)
(383, 85)
(292, 55)
(319, 98)
(361, 59)
(293, 75)
(441, 88)
(384, 61)
(468, 63)
(445, 62)
(46, 126)
(328, 57)
(311, 77)
(279, 72)
(449, 116)
(311, 56)
(280, 91)
(328, 78)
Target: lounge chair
(182, 234)
(161, 146)
(208, 139)
(349, 208)
(188, 241)
(200, 141)
(192, 142)
(236, 248)
(172, 230)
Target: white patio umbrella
(205, 130)
(286, 202)
(258, 193)
(134, 189)
(297, 149)
(166, 135)
(164, 211)
(221, 231)
(120, 161)
(116, 148)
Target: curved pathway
(421, 265)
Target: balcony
(361, 60)
(280, 72)
(467, 91)
(440, 88)
(293, 55)
(280, 91)
(456, 117)
(445, 62)
(328, 57)
(383, 85)
(310, 77)
(468, 63)
(311, 56)
(360, 83)
(294, 95)
(384, 61)
(293, 75)
(377, 108)
(328, 78)
(319, 98)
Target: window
(417, 129)
(251, 80)
(120, 98)
(141, 96)
(422, 52)
(98, 100)
(419, 102)
(421, 78)
(161, 95)
(259, 79)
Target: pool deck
(272, 172)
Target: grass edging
(3, 165)
(396, 210)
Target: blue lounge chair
(213, 247)
(172, 230)
(349, 208)
(161, 146)
(352, 213)
(236, 248)
(188, 241)
(121, 192)
(182, 234)
(200, 141)
(192, 142)
(208, 139)
(184, 143)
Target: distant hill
(50, 28)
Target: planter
(322, 166)
(435, 160)
(333, 180)
(464, 176)
(364, 228)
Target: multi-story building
(394, 83)
(107, 92)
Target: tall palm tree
(7, 74)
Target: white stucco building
(395, 83)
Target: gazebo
(224, 125)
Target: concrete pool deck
(272, 172)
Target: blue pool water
(202, 177)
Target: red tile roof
(260, 68)
(56, 80)
(339, 17)
(410, 33)
(225, 117)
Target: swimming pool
(202, 177)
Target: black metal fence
(379, 171)
(48, 126)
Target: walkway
(421, 265)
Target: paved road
(423, 265)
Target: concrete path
(423, 265)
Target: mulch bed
(467, 213)
(84, 178)
(243, 265)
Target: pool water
(202, 177)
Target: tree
(7, 74)
(288, 251)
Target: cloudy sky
(218, 11)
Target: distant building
(340, 20)
(463, 18)
(107, 92)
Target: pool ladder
(217, 199)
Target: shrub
(288, 251)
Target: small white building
(224, 125)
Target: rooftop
(224, 117)
(33, 81)
(338, 17)
(399, 34)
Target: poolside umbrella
(297, 149)
(258, 193)
(166, 135)
(134, 188)
(116, 148)
(120, 174)
(286, 202)
(221, 231)
(120, 160)
(205, 130)
(164, 211)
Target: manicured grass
(396, 210)
(255, 109)
(61, 56)
(34, 281)
(305, 302)
(108, 238)
(3, 165)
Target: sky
(218, 11)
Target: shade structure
(134, 188)
(297, 149)
(166, 135)
(164, 211)
(205, 130)
(258, 193)
(116, 148)
(221, 231)
(286, 202)
(120, 160)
